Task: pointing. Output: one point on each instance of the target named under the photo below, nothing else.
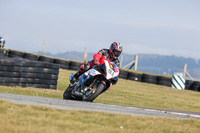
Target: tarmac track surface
(99, 107)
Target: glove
(96, 62)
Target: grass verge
(32, 119)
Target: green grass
(34, 119)
(126, 92)
(38, 119)
(153, 96)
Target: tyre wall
(74, 65)
(148, 78)
(192, 85)
(17, 71)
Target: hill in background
(151, 63)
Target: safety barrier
(164, 80)
(18, 71)
(192, 85)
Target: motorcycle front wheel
(67, 94)
(93, 93)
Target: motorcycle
(93, 82)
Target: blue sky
(168, 27)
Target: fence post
(43, 47)
(133, 63)
(136, 62)
(184, 71)
(85, 56)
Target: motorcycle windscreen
(71, 76)
(92, 72)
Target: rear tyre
(98, 89)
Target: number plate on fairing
(110, 72)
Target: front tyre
(67, 94)
(94, 93)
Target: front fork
(80, 86)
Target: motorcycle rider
(111, 54)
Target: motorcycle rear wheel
(97, 90)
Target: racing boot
(83, 68)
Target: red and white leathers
(98, 57)
(111, 54)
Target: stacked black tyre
(46, 59)
(134, 76)
(74, 65)
(3, 53)
(196, 86)
(192, 85)
(14, 53)
(148, 78)
(64, 64)
(165, 81)
(123, 74)
(188, 84)
(26, 73)
(6, 72)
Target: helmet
(115, 50)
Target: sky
(165, 27)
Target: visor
(117, 53)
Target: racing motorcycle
(93, 82)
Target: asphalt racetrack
(99, 107)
